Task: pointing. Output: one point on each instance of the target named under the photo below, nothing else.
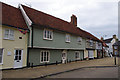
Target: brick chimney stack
(102, 38)
(114, 36)
(74, 20)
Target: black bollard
(115, 60)
(32, 65)
(56, 62)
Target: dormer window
(91, 42)
(67, 37)
(48, 34)
(79, 39)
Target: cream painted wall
(85, 53)
(0, 36)
(95, 53)
(11, 45)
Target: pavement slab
(40, 71)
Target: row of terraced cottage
(29, 37)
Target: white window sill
(45, 62)
(8, 39)
(1, 63)
(77, 58)
(47, 39)
(91, 45)
(67, 41)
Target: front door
(18, 58)
(64, 57)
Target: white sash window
(9, 34)
(48, 34)
(67, 37)
(44, 56)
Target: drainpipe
(28, 57)
(102, 50)
(32, 37)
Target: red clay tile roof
(104, 44)
(108, 40)
(12, 16)
(40, 18)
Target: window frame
(43, 56)
(67, 36)
(91, 42)
(2, 56)
(47, 38)
(19, 58)
(10, 33)
(79, 40)
(78, 54)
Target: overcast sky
(99, 17)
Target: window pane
(77, 55)
(19, 52)
(11, 32)
(1, 59)
(41, 56)
(16, 52)
(67, 37)
(1, 52)
(16, 57)
(47, 56)
(6, 33)
(19, 57)
(48, 34)
(79, 39)
(45, 34)
(44, 56)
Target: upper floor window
(91, 42)
(48, 34)
(45, 56)
(67, 37)
(9, 34)
(99, 44)
(79, 39)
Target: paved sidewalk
(52, 69)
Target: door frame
(64, 60)
(21, 58)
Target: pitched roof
(12, 16)
(116, 43)
(40, 18)
(104, 44)
(108, 40)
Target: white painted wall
(110, 49)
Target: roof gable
(108, 40)
(12, 16)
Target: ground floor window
(77, 55)
(45, 56)
(1, 55)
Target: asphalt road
(107, 72)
